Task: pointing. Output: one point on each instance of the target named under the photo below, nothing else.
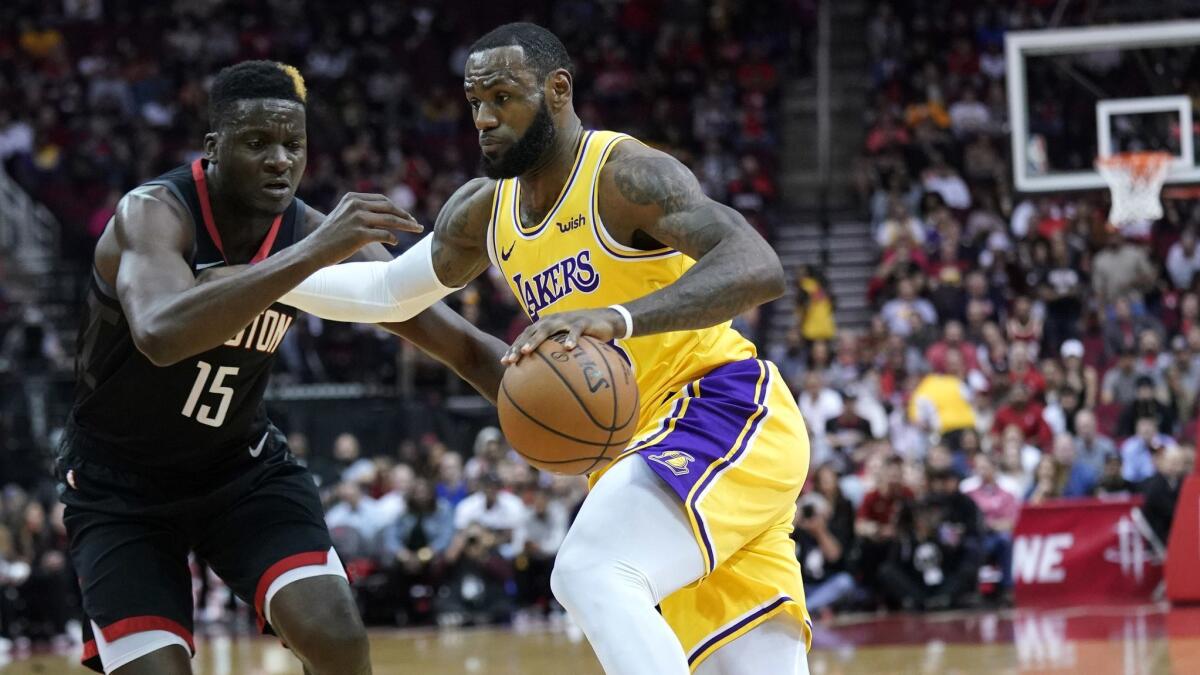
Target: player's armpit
(453, 341)
(460, 233)
(650, 196)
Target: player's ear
(559, 89)
(210, 147)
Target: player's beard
(527, 152)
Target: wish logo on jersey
(556, 282)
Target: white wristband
(628, 320)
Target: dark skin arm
(144, 254)
(648, 198)
(441, 332)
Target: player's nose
(484, 119)
(277, 160)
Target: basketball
(569, 411)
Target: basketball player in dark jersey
(168, 448)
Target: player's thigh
(271, 535)
(135, 582)
(170, 660)
(776, 646)
(631, 520)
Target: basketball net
(1134, 180)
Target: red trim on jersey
(277, 570)
(211, 225)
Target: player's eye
(295, 145)
(254, 143)
(474, 104)
(501, 98)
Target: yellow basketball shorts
(733, 446)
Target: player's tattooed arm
(460, 233)
(648, 198)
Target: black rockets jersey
(200, 415)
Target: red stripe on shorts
(277, 570)
(140, 624)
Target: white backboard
(1077, 56)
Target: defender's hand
(602, 324)
(358, 220)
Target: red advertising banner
(1084, 551)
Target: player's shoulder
(476, 192)
(151, 205)
(469, 208)
(637, 175)
(151, 216)
(631, 150)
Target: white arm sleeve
(373, 292)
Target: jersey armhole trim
(610, 245)
(491, 228)
(183, 204)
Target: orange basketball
(571, 411)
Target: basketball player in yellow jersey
(599, 235)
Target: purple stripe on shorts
(708, 644)
(666, 421)
(708, 428)
(759, 400)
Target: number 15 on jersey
(203, 413)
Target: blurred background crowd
(1019, 349)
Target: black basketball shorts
(130, 535)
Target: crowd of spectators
(1021, 349)
(97, 97)
(432, 536)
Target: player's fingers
(532, 339)
(383, 236)
(542, 332)
(377, 203)
(513, 355)
(410, 224)
(388, 221)
(573, 335)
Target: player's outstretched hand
(358, 220)
(602, 324)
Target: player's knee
(337, 647)
(583, 582)
(564, 582)
(331, 642)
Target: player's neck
(541, 186)
(241, 229)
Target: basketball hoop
(1134, 180)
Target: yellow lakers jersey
(568, 261)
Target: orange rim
(1138, 164)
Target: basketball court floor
(1137, 640)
